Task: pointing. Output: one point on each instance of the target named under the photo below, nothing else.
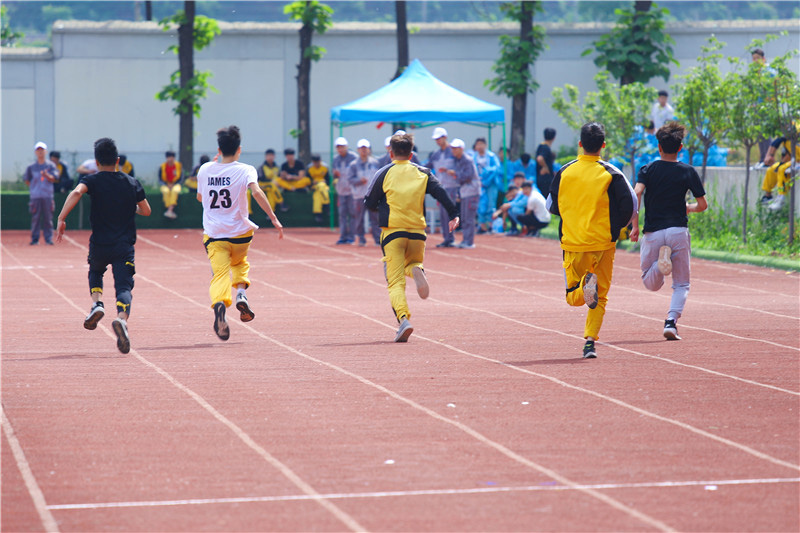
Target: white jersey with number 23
(223, 190)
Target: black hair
(288, 151)
(525, 158)
(105, 152)
(518, 174)
(122, 159)
(527, 184)
(593, 135)
(402, 144)
(228, 140)
(758, 52)
(549, 134)
(269, 151)
(479, 140)
(169, 153)
(316, 157)
(651, 125)
(662, 92)
(55, 153)
(670, 137)
(511, 188)
(204, 159)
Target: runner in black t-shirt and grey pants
(116, 200)
(666, 245)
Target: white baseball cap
(400, 132)
(439, 132)
(457, 143)
(363, 143)
(40, 144)
(341, 141)
(387, 141)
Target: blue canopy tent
(417, 97)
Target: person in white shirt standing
(662, 112)
(227, 231)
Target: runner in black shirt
(116, 200)
(666, 247)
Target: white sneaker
(665, 260)
(245, 313)
(404, 332)
(423, 289)
(590, 290)
(778, 202)
(121, 329)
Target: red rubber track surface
(311, 419)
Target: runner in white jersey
(227, 231)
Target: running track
(310, 419)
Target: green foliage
(767, 233)
(187, 98)
(619, 109)
(703, 100)
(314, 15)
(8, 37)
(637, 48)
(512, 68)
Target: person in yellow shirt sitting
(191, 181)
(319, 175)
(169, 174)
(268, 175)
(293, 173)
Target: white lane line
(36, 494)
(561, 300)
(658, 294)
(306, 488)
(514, 456)
(427, 492)
(678, 423)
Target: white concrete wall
(101, 79)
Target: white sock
(242, 292)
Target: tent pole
(505, 159)
(489, 136)
(332, 189)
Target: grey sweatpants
(679, 240)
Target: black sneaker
(588, 350)
(245, 313)
(220, 325)
(590, 290)
(94, 316)
(445, 244)
(671, 330)
(121, 329)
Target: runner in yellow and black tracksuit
(594, 201)
(398, 195)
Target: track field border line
(301, 484)
(709, 485)
(48, 520)
(639, 410)
(510, 454)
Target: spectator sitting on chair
(536, 214)
(170, 174)
(293, 173)
(191, 181)
(268, 175)
(320, 197)
(64, 183)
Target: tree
(8, 37)
(784, 101)
(703, 102)
(315, 18)
(187, 86)
(513, 68)
(402, 37)
(637, 48)
(622, 110)
(748, 115)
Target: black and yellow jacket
(398, 195)
(594, 201)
